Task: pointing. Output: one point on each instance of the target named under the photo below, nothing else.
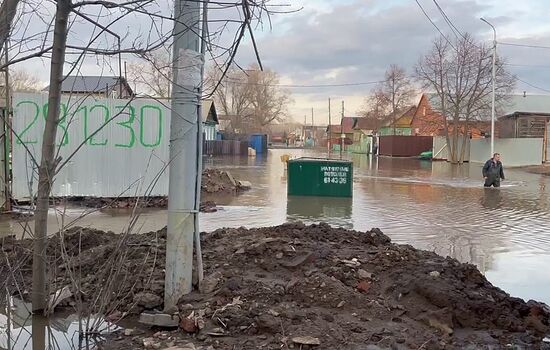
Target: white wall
(515, 152)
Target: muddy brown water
(430, 205)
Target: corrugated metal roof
(526, 104)
(512, 104)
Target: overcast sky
(354, 41)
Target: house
(427, 121)
(209, 120)
(98, 86)
(526, 116)
(334, 132)
(401, 126)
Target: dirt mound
(277, 286)
(214, 182)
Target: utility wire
(526, 45)
(448, 20)
(433, 23)
(244, 82)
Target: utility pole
(493, 83)
(342, 131)
(329, 131)
(184, 151)
(312, 128)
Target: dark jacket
(493, 170)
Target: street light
(493, 82)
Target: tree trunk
(47, 163)
(8, 10)
(464, 143)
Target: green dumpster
(320, 177)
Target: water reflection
(19, 330)
(337, 211)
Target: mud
(295, 286)
(214, 182)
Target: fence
(111, 147)
(441, 151)
(225, 147)
(515, 152)
(404, 146)
(361, 147)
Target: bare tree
(253, 98)
(376, 108)
(460, 74)
(22, 81)
(8, 11)
(72, 24)
(396, 90)
(47, 163)
(153, 73)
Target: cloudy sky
(354, 41)
(332, 42)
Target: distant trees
(390, 97)
(22, 81)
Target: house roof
(209, 113)
(346, 126)
(517, 103)
(535, 104)
(366, 124)
(90, 84)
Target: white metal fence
(120, 147)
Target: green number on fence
(128, 125)
(61, 123)
(31, 124)
(142, 128)
(106, 117)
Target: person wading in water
(493, 171)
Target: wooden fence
(404, 146)
(225, 147)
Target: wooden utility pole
(329, 131)
(342, 131)
(312, 128)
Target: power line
(433, 23)
(526, 45)
(448, 20)
(532, 85)
(243, 82)
(525, 65)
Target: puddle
(19, 330)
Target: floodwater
(430, 205)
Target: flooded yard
(430, 205)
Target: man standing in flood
(493, 171)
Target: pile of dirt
(214, 182)
(298, 286)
